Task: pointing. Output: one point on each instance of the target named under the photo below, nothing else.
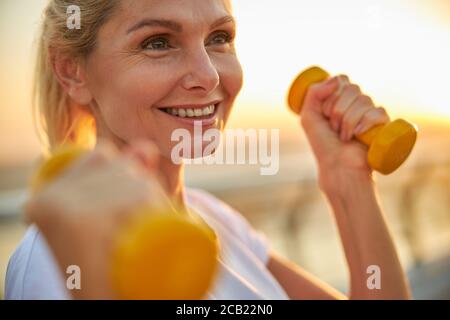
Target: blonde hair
(55, 114)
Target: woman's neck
(172, 176)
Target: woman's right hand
(80, 212)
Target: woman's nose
(201, 73)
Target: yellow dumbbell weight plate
(392, 145)
(164, 256)
(300, 86)
(60, 158)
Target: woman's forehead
(183, 12)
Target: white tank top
(244, 252)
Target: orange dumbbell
(389, 144)
(161, 254)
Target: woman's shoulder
(211, 205)
(32, 272)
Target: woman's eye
(221, 37)
(157, 44)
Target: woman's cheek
(234, 77)
(231, 78)
(127, 110)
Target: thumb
(145, 153)
(148, 155)
(318, 93)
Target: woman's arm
(366, 242)
(298, 283)
(333, 112)
(364, 235)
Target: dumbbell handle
(303, 82)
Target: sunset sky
(396, 50)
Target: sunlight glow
(396, 50)
(397, 53)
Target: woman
(133, 73)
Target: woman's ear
(71, 76)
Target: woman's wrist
(344, 182)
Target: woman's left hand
(334, 111)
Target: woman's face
(160, 65)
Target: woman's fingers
(349, 94)
(317, 94)
(105, 150)
(144, 156)
(371, 118)
(145, 153)
(327, 107)
(139, 156)
(354, 114)
(350, 112)
(106, 179)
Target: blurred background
(396, 50)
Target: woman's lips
(203, 120)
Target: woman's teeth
(191, 113)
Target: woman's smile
(205, 115)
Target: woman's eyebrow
(222, 21)
(175, 26)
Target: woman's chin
(185, 149)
